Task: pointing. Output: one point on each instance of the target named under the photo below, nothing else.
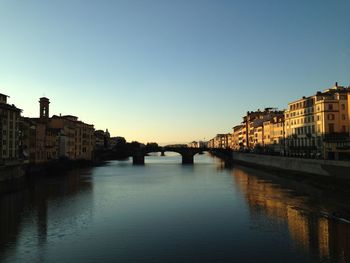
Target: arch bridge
(187, 153)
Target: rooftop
(9, 107)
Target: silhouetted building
(44, 138)
(102, 139)
(9, 131)
(115, 141)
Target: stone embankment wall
(339, 169)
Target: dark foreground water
(167, 212)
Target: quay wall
(329, 168)
(14, 177)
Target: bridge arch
(187, 154)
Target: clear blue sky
(170, 71)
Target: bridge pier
(138, 158)
(187, 158)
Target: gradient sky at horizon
(170, 71)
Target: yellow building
(258, 131)
(193, 144)
(238, 138)
(255, 129)
(9, 131)
(211, 143)
(274, 134)
(220, 141)
(318, 126)
(253, 123)
(228, 141)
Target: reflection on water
(24, 215)
(309, 226)
(167, 212)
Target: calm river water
(168, 212)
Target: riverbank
(325, 174)
(55, 167)
(328, 168)
(13, 177)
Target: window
(330, 116)
(318, 141)
(330, 106)
(343, 128)
(331, 127)
(343, 116)
(342, 106)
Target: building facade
(221, 141)
(9, 131)
(238, 138)
(257, 128)
(318, 126)
(50, 138)
(274, 134)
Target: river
(168, 212)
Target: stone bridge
(187, 153)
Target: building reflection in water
(28, 209)
(328, 238)
(11, 208)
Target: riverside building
(253, 122)
(238, 137)
(9, 131)
(318, 126)
(50, 138)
